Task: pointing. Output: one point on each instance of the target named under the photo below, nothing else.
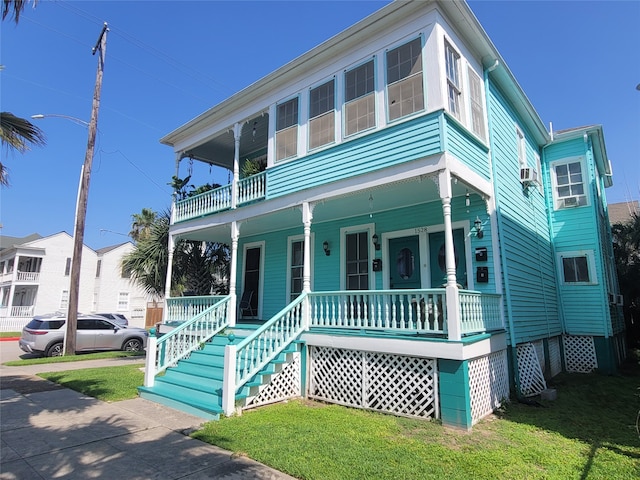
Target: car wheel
(55, 350)
(132, 345)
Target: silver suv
(44, 334)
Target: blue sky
(168, 61)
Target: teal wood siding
(584, 307)
(401, 143)
(527, 255)
(467, 148)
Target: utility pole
(81, 207)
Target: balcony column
(451, 288)
(237, 131)
(167, 285)
(307, 217)
(233, 269)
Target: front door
(437, 258)
(404, 256)
(252, 279)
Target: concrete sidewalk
(47, 432)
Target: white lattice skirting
(579, 354)
(555, 357)
(488, 383)
(531, 377)
(284, 384)
(396, 384)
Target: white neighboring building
(35, 274)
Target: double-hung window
(322, 115)
(360, 102)
(454, 82)
(577, 267)
(296, 269)
(287, 129)
(569, 186)
(477, 107)
(405, 91)
(357, 258)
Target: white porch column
(237, 131)
(12, 288)
(307, 216)
(453, 296)
(167, 286)
(233, 269)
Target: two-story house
(34, 280)
(417, 243)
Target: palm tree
(142, 222)
(17, 134)
(13, 8)
(626, 249)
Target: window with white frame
(287, 129)
(357, 261)
(67, 267)
(454, 82)
(322, 115)
(360, 102)
(568, 184)
(98, 267)
(405, 91)
(477, 106)
(522, 150)
(577, 267)
(123, 301)
(296, 268)
(64, 300)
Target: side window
(67, 267)
(296, 269)
(102, 325)
(454, 83)
(577, 267)
(569, 185)
(522, 150)
(360, 105)
(287, 129)
(477, 106)
(322, 119)
(85, 324)
(357, 258)
(405, 92)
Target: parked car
(44, 334)
(118, 318)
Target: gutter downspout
(505, 273)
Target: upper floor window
(405, 90)
(322, 115)
(98, 266)
(287, 129)
(569, 186)
(360, 105)
(477, 107)
(522, 151)
(454, 84)
(67, 267)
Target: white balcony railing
(252, 188)
(32, 277)
(22, 311)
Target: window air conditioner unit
(619, 300)
(528, 175)
(570, 201)
(613, 298)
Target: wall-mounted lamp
(477, 223)
(325, 247)
(376, 241)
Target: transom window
(357, 258)
(477, 107)
(569, 185)
(405, 92)
(454, 85)
(360, 107)
(287, 129)
(322, 115)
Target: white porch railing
(165, 351)
(181, 309)
(208, 202)
(22, 311)
(420, 311)
(480, 312)
(252, 188)
(244, 360)
(28, 276)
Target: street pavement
(51, 432)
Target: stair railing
(165, 351)
(247, 358)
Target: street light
(57, 115)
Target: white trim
(554, 184)
(591, 266)
(370, 228)
(290, 240)
(245, 247)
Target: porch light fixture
(376, 241)
(477, 223)
(325, 247)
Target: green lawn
(589, 432)
(74, 358)
(9, 334)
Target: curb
(9, 339)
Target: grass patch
(589, 432)
(74, 358)
(9, 334)
(110, 384)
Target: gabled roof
(103, 250)
(458, 14)
(10, 242)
